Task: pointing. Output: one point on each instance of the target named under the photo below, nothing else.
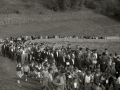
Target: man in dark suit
(61, 58)
(117, 65)
(51, 58)
(44, 54)
(56, 54)
(39, 58)
(3, 50)
(68, 59)
(78, 57)
(97, 78)
(69, 48)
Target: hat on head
(88, 72)
(106, 49)
(81, 48)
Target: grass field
(82, 23)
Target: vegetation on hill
(107, 7)
(63, 4)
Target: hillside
(41, 21)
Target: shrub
(63, 4)
(28, 5)
(16, 12)
(50, 3)
(24, 0)
(90, 4)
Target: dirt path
(8, 77)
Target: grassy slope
(83, 22)
(51, 25)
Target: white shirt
(23, 52)
(57, 54)
(73, 61)
(87, 79)
(118, 80)
(50, 76)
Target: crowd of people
(63, 68)
(33, 37)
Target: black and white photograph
(59, 44)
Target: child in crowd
(45, 78)
(39, 68)
(26, 70)
(32, 69)
(50, 84)
(36, 70)
(19, 72)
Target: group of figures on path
(63, 68)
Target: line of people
(64, 68)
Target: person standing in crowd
(112, 75)
(68, 59)
(12, 49)
(50, 80)
(96, 79)
(18, 55)
(45, 77)
(26, 71)
(0, 49)
(4, 50)
(56, 54)
(87, 80)
(118, 83)
(106, 52)
(117, 66)
(60, 80)
(23, 55)
(19, 72)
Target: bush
(50, 3)
(24, 0)
(90, 4)
(16, 12)
(107, 7)
(28, 5)
(63, 4)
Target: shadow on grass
(116, 18)
(31, 87)
(33, 83)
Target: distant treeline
(108, 7)
(63, 4)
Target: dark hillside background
(107, 7)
